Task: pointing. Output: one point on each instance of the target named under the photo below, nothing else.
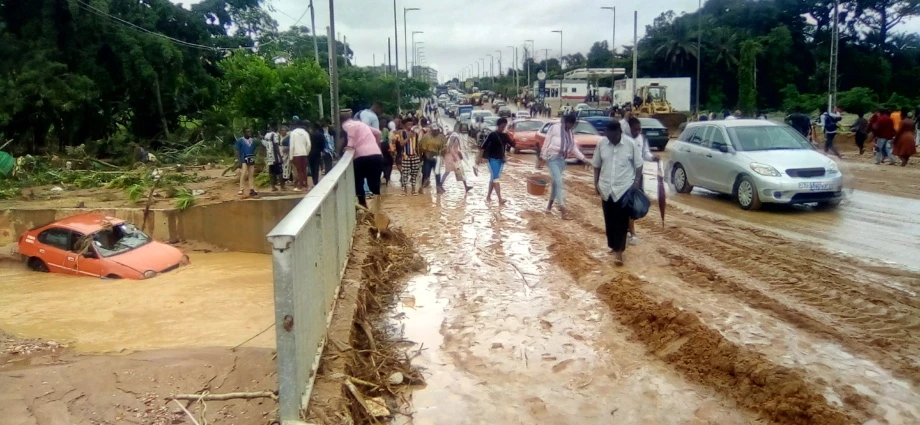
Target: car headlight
(765, 170)
(150, 274)
(832, 169)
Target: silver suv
(755, 161)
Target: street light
(532, 48)
(613, 40)
(414, 59)
(491, 67)
(500, 69)
(517, 80)
(405, 34)
(560, 48)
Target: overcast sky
(459, 32)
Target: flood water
(220, 299)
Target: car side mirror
(721, 147)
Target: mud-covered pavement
(788, 315)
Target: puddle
(221, 299)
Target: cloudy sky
(459, 32)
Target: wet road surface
(825, 295)
(220, 299)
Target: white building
(678, 90)
(565, 89)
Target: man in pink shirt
(368, 161)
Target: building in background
(427, 74)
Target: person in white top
(559, 144)
(635, 131)
(300, 148)
(369, 116)
(615, 162)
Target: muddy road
(788, 315)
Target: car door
(82, 259)
(691, 152)
(705, 161)
(54, 243)
(715, 165)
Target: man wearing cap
(431, 147)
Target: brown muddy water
(220, 299)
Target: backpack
(830, 124)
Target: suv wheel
(746, 194)
(38, 265)
(679, 177)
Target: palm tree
(723, 42)
(679, 45)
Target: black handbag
(636, 202)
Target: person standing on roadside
(431, 147)
(364, 140)
(286, 164)
(246, 155)
(493, 152)
(904, 144)
(635, 130)
(387, 150)
(615, 162)
(273, 159)
(860, 129)
(300, 151)
(328, 147)
(830, 131)
(559, 144)
(370, 116)
(453, 161)
(317, 145)
(884, 133)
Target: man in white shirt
(559, 144)
(615, 162)
(300, 148)
(369, 116)
(635, 131)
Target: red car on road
(524, 133)
(586, 138)
(98, 246)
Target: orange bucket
(536, 185)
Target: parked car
(581, 106)
(504, 111)
(755, 161)
(524, 134)
(586, 138)
(655, 132)
(98, 246)
(521, 115)
(596, 117)
(488, 125)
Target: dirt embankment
(45, 382)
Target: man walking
(431, 147)
(615, 162)
(246, 155)
(300, 150)
(559, 144)
(493, 152)
(884, 132)
(273, 159)
(635, 130)
(860, 129)
(799, 121)
(831, 118)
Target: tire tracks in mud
(701, 354)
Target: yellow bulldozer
(655, 104)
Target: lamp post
(405, 34)
(517, 82)
(414, 58)
(560, 49)
(396, 48)
(417, 49)
(613, 40)
(491, 67)
(699, 45)
(531, 59)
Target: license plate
(815, 186)
(653, 133)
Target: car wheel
(679, 177)
(36, 264)
(746, 194)
(113, 276)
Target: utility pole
(517, 81)
(531, 56)
(406, 10)
(396, 49)
(832, 78)
(334, 74)
(699, 53)
(635, 50)
(315, 50)
(389, 56)
(613, 40)
(501, 71)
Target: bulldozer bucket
(672, 121)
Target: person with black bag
(615, 161)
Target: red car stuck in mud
(98, 246)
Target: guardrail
(310, 249)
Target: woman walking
(559, 144)
(406, 141)
(904, 143)
(368, 161)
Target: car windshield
(527, 126)
(650, 123)
(119, 239)
(584, 128)
(490, 120)
(765, 138)
(592, 113)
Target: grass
(184, 199)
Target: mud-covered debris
(396, 378)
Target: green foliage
(184, 199)
(858, 100)
(898, 101)
(137, 192)
(263, 179)
(747, 78)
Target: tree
(881, 16)
(747, 77)
(600, 55)
(858, 100)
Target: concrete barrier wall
(236, 225)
